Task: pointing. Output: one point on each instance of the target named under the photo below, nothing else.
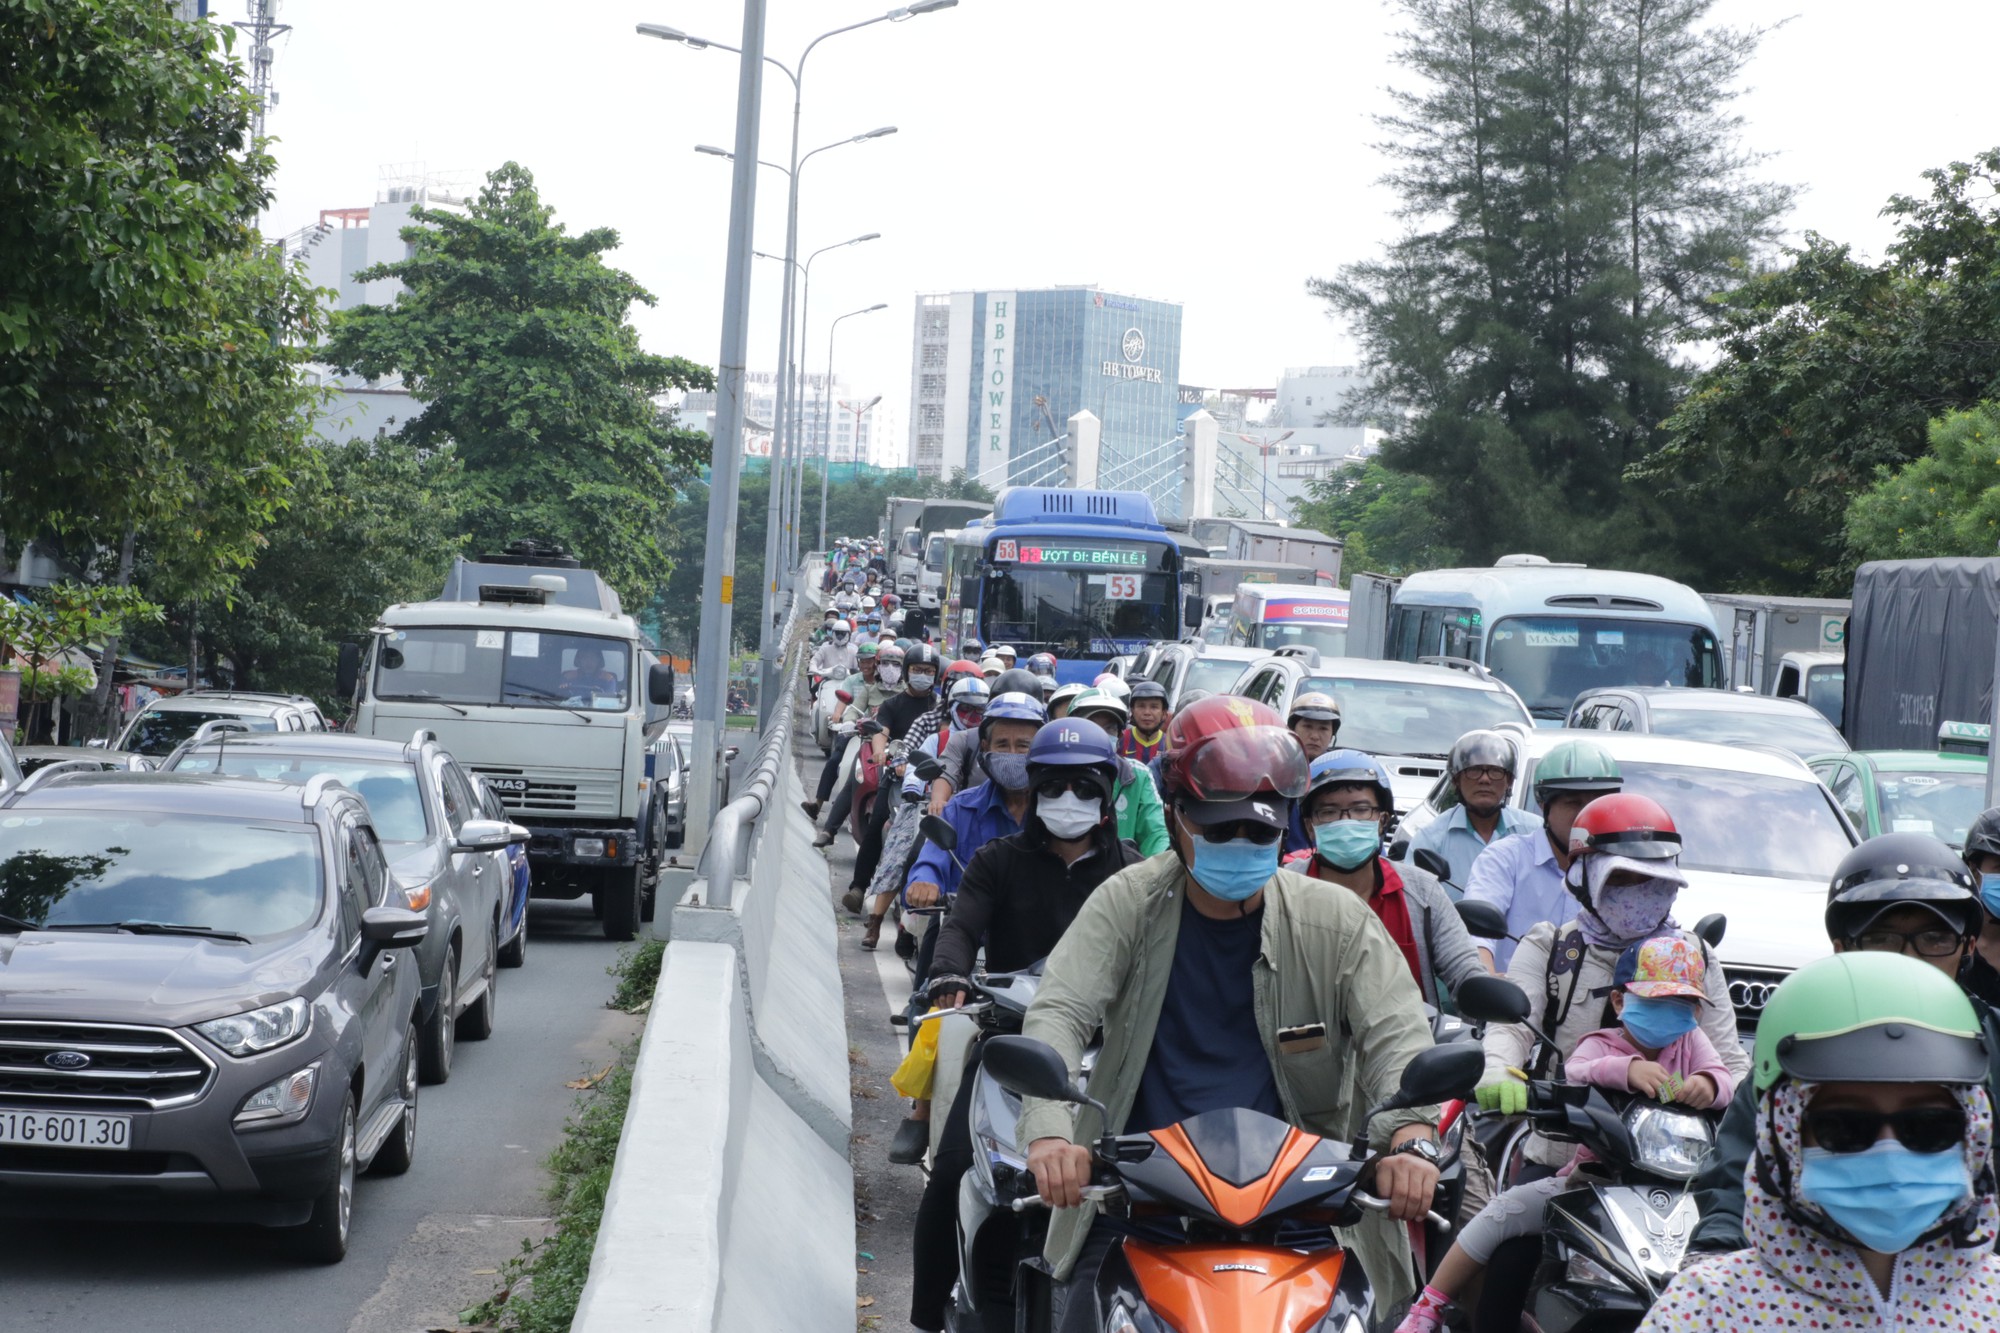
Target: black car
(204, 1010)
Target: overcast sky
(1215, 155)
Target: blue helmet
(1338, 767)
(1074, 748)
(1014, 706)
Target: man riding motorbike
(899, 715)
(888, 686)
(1145, 738)
(1222, 981)
(1017, 897)
(835, 657)
(1481, 773)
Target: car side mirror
(1489, 999)
(97, 745)
(660, 683)
(347, 674)
(484, 835)
(1482, 919)
(1030, 1068)
(1711, 928)
(519, 836)
(1428, 860)
(394, 927)
(944, 835)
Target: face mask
(840, 638)
(969, 718)
(1347, 844)
(1624, 915)
(1657, 1023)
(1235, 870)
(889, 675)
(921, 681)
(1989, 893)
(1888, 1196)
(1009, 770)
(1069, 815)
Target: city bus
(1552, 631)
(1085, 575)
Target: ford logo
(66, 1060)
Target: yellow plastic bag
(913, 1077)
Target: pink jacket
(1606, 1056)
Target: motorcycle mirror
(1711, 927)
(1486, 999)
(1482, 919)
(1438, 1074)
(944, 835)
(1030, 1068)
(927, 768)
(1428, 860)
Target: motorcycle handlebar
(1091, 1194)
(1375, 1205)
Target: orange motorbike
(1225, 1219)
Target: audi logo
(1752, 996)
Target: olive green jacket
(1326, 959)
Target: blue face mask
(1233, 871)
(1887, 1196)
(1657, 1024)
(1347, 844)
(1989, 893)
(1009, 770)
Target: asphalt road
(425, 1245)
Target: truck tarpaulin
(1919, 650)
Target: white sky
(1151, 148)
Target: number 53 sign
(1121, 587)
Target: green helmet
(1576, 766)
(1869, 1018)
(867, 649)
(1098, 700)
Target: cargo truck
(1270, 544)
(1920, 650)
(1755, 632)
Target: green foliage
(146, 337)
(514, 336)
(1944, 503)
(1388, 520)
(1832, 370)
(66, 617)
(1571, 180)
(637, 972)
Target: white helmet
(841, 629)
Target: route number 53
(1121, 587)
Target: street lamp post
(805, 333)
(859, 410)
(825, 467)
(776, 513)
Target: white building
(860, 430)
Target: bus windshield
(1331, 640)
(1077, 599)
(1549, 660)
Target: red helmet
(962, 667)
(1625, 824)
(1228, 757)
(890, 601)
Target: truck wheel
(624, 887)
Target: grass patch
(539, 1287)
(740, 721)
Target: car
(1760, 833)
(1188, 665)
(514, 912)
(10, 767)
(1725, 717)
(667, 765)
(163, 724)
(1906, 791)
(76, 758)
(1407, 714)
(449, 859)
(204, 1014)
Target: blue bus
(1086, 575)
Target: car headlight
(260, 1029)
(1668, 1142)
(282, 1103)
(418, 896)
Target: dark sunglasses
(1248, 830)
(1059, 786)
(1920, 1129)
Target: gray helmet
(1481, 749)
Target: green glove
(1508, 1096)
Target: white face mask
(888, 673)
(1069, 815)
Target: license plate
(66, 1129)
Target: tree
(1831, 371)
(514, 336)
(45, 629)
(1944, 503)
(1386, 520)
(1571, 180)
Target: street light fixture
(826, 459)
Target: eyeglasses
(1920, 1129)
(1485, 773)
(1248, 830)
(1930, 942)
(1060, 786)
(1331, 814)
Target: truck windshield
(1331, 640)
(516, 667)
(1094, 600)
(1549, 660)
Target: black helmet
(1900, 870)
(1983, 838)
(1016, 680)
(920, 655)
(1147, 689)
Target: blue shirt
(1207, 1053)
(1519, 875)
(978, 815)
(1452, 836)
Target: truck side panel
(1920, 650)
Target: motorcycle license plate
(64, 1129)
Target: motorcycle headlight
(260, 1029)
(1668, 1142)
(991, 1149)
(1586, 1271)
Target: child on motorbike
(1657, 1050)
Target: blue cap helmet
(1014, 706)
(1073, 747)
(1341, 767)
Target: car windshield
(1549, 660)
(394, 803)
(1802, 734)
(1826, 687)
(1742, 823)
(1214, 674)
(1331, 640)
(1942, 803)
(92, 867)
(1086, 600)
(1411, 717)
(518, 668)
(158, 731)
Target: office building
(844, 425)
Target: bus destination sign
(1092, 555)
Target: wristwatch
(1424, 1148)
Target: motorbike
(828, 699)
(1227, 1218)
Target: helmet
(1014, 680)
(1013, 706)
(1042, 664)
(1189, 698)
(919, 655)
(1900, 870)
(970, 645)
(971, 690)
(1338, 767)
(868, 604)
(1066, 692)
(1046, 684)
(1069, 747)
(1144, 689)
(961, 670)
(992, 662)
(867, 651)
(1576, 766)
(1229, 758)
(1314, 707)
(1983, 838)
(1869, 1018)
(888, 653)
(1006, 650)
(1667, 966)
(1101, 701)
(890, 601)
(1484, 749)
(842, 628)
(1626, 825)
